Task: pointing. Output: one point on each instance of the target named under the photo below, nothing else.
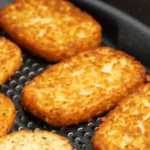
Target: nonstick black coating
(79, 135)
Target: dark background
(139, 9)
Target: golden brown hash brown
(83, 86)
(7, 115)
(148, 78)
(10, 59)
(127, 127)
(54, 29)
(34, 140)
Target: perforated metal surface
(79, 135)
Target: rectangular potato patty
(127, 127)
(52, 29)
(10, 59)
(34, 140)
(7, 115)
(82, 87)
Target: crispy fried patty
(82, 87)
(7, 115)
(10, 59)
(127, 127)
(53, 29)
(34, 140)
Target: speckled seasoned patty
(34, 140)
(7, 115)
(83, 86)
(10, 59)
(127, 127)
(53, 29)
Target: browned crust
(10, 59)
(51, 45)
(148, 78)
(7, 115)
(27, 139)
(127, 126)
(63, 94)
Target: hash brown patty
(53, 29)
(127, 127)
(83, 86)
(7, 115)
(10, 59)
(34, 140)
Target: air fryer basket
(119, 31)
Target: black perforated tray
(119, 31)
